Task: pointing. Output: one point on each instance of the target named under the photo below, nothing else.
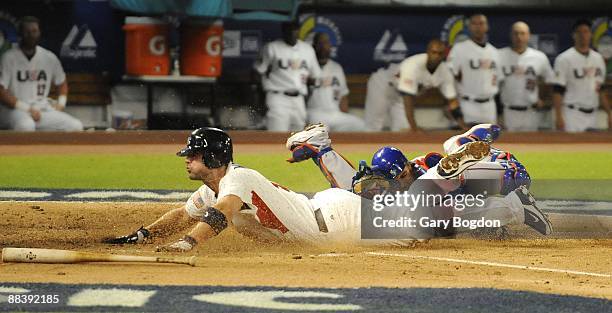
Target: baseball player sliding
(232, 194)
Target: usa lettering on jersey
(33, 75)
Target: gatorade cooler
(146, 46)
(201, 47)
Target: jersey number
(530, 84)
(40, 90)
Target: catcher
(468, 168)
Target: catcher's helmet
(388, 162)
(214, 144)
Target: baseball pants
(384, 106)
(577, 121)
(285, 113)
(527, 120)
(337, 121)
(50, 119)
(477, 113)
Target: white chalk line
(523, 267)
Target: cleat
(315, 135)
(534, 217)
(465, 156)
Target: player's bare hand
(540, 105)
(57, 107)
(182, 245)
(35, 114)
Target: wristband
(20, 105)
(61, 101)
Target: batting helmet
(388, 162)
(214, 144)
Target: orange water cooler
(146, 46)
(201, 47)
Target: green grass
(155, 171)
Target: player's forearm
(409, 108)
(344, 104)
(455, 111)
(7, 98)
(603, 100)
(171, 221)
(63, 88)
(557, 104)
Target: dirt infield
(232, 259)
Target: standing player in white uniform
(522, 67)
(287, 66)
(383, 104)
(328, 101)
(578, 91)
(424, 71)
(475, 64)
(26, 75)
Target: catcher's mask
(214, 144)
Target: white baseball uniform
(414, 77)
(582, 76)
(384, 105)
(285, 71)
(29, 80)
(519, 89)
(324, 101)
(478, 70)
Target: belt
(287, 93)
(479, 100)
(583, 110)
(320, 221)
(521, 108)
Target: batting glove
(138, 236)
(183, 245)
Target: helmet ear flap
(209, 159)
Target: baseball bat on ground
(33, 255)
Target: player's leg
(56, 120)
(518, 207)
(338, 214)
(398, 116)
(345, 122)
(314, 143)
(16, 120)
(297, 114)
(521, 120)
(576, 121)
(278, 112)
(376, 104)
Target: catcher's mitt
(367, 185)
